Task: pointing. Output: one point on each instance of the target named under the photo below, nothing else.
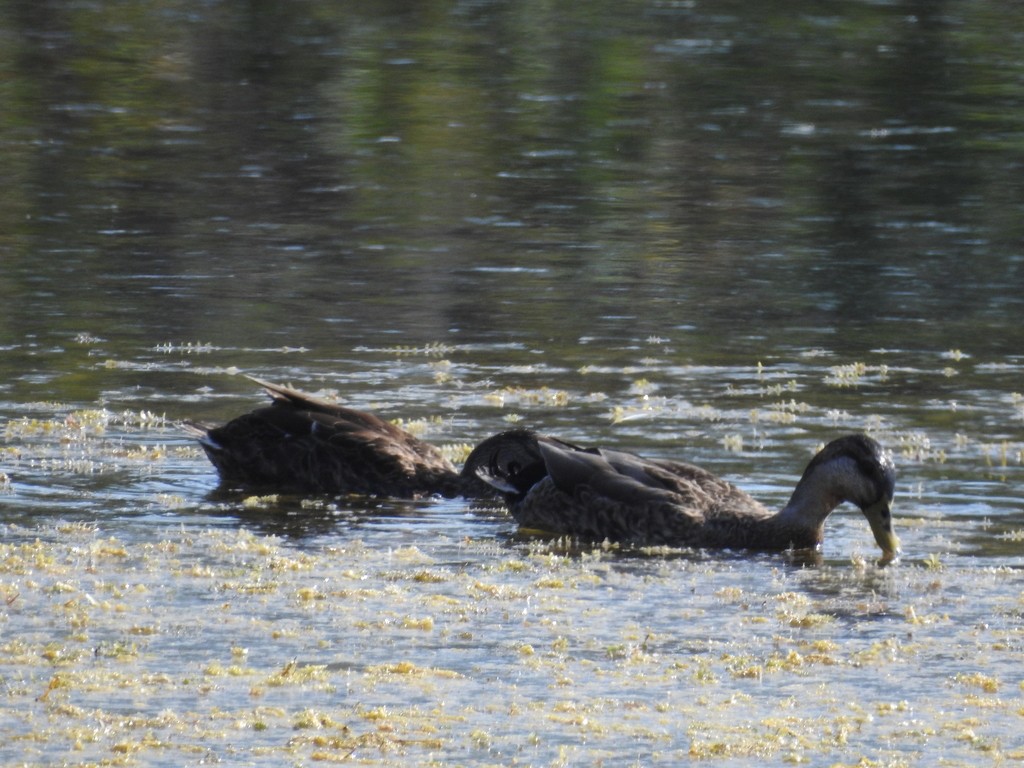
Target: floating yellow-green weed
(525, 396)
(433, 349)
(429, 651)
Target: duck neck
(807, 509)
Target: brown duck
(303, 444)
(598, 494)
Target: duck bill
(879, 517)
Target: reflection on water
(714, 232)
(660, 167)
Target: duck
(304, 444)
(556, 487)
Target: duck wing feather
(303, 443)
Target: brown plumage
(599, 494)
(303, 444)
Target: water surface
(696, 231)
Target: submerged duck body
(302, 444)
(598, 494)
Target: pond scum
(189, 644)
(213, 645)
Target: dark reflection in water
(310, 518)
(272, 173)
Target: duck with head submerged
(598, 495)
(304, 444)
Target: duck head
(857, 469)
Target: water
(722, 233)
